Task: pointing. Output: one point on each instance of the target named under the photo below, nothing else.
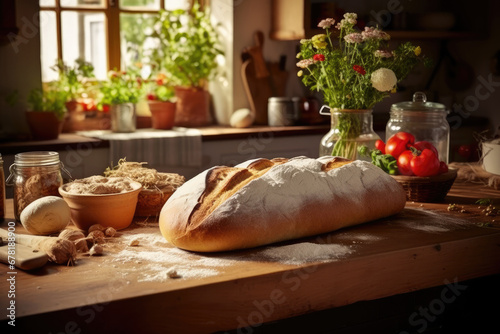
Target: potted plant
(353, 75)
(161, 102)
(188, 47)
(120, 93)
(74, 80)
(47, 109)
(79, 83)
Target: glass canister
(34, 175)
(350, 129)
(424, 120)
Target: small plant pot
(193, 107)
(162, 114)
(44, 125)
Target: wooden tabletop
(128, 289)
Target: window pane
(84, 37)
(48, 44)
(176, 4)
(134, 29)
(48, 3)
(149, 4)
(83, 3)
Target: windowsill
(67, 141)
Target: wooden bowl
(428, 189)
(110, 210)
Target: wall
(250, 16)
(19, 69)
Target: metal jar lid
(36, 158)
(419, 103)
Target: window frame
(111, 11)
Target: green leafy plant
(48, 100)
(121, 87)
(188, 45)
(355, 72)
(74, 80)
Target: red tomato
(398, 143)
(443, 167)
(425, 164)
(421, 145)
(380, 145)
(404, 160)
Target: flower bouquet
(353, 73)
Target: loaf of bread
(264, 201)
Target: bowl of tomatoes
(416, 166)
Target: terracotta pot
(44, 125)
(193, 107)
(162, 114)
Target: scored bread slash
(264, 201)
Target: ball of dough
(242, 118)
(46, 215)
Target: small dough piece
(46, 215)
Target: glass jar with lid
(424, 120)
(34, 175)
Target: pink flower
(383, 53)
(359, 69)
(374, 33)
(326, 23)
(319, 57)
(353, 38)
(304, 63)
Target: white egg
(46, 215)
(242, 118)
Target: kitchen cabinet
(289, 24)
(373, 287)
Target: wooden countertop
(209, 133)
(127, 290)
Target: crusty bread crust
(265, 201)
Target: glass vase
(350, 129)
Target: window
(107, 33)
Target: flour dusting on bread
(265, 201)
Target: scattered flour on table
(357, 237)
(153, 258)
(440, 222)
(305, 252)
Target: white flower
(383, 79)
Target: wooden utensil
(261, 80)
(26, 258)
(255, 52)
